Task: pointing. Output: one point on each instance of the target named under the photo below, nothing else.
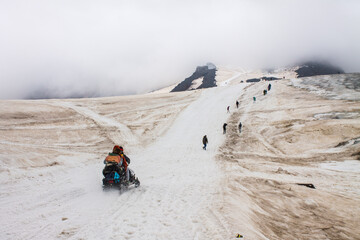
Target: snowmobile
(115, 177)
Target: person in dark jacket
(205, 142)
(127, 160)
(269, 86)
(122, 161)
(115, 160)
(240, 126)
(224, 128)
(237, 104)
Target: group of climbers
(205, 140)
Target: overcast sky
(134, 46)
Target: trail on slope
(120, 131)
(228, 81)
(178, 179)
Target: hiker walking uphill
(224, 128)
(269, 86)
(240, 126)
(228, 109)
(205, 142)
(237, 104)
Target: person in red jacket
(126, 162)
(130, 175)
(117, 156)
(121, 161)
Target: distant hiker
(224, 128)
(269, 86)
(205, 142)
(265, 92)
(254, 98)
(240, 126)
(228, 109)
(237, 104)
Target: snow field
(178, 182)
(52, 152)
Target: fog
(103, 48)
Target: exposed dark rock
(253, 80)
(263, 78)
(353, 141)
(309, 185)
(313, 68)
(208, 73)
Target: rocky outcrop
(207, 72)
(313, 68)
(263, 78)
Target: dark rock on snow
(313, 68)
(208, 72)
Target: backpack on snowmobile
(114, 175)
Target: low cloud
(104, 48)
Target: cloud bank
(103, 48)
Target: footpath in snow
(178, 178)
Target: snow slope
(51, 155)
(178, 180)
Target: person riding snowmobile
(122, 161)
(126, 163)
(113, 161)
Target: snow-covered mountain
(211, 76)
(52, 151)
